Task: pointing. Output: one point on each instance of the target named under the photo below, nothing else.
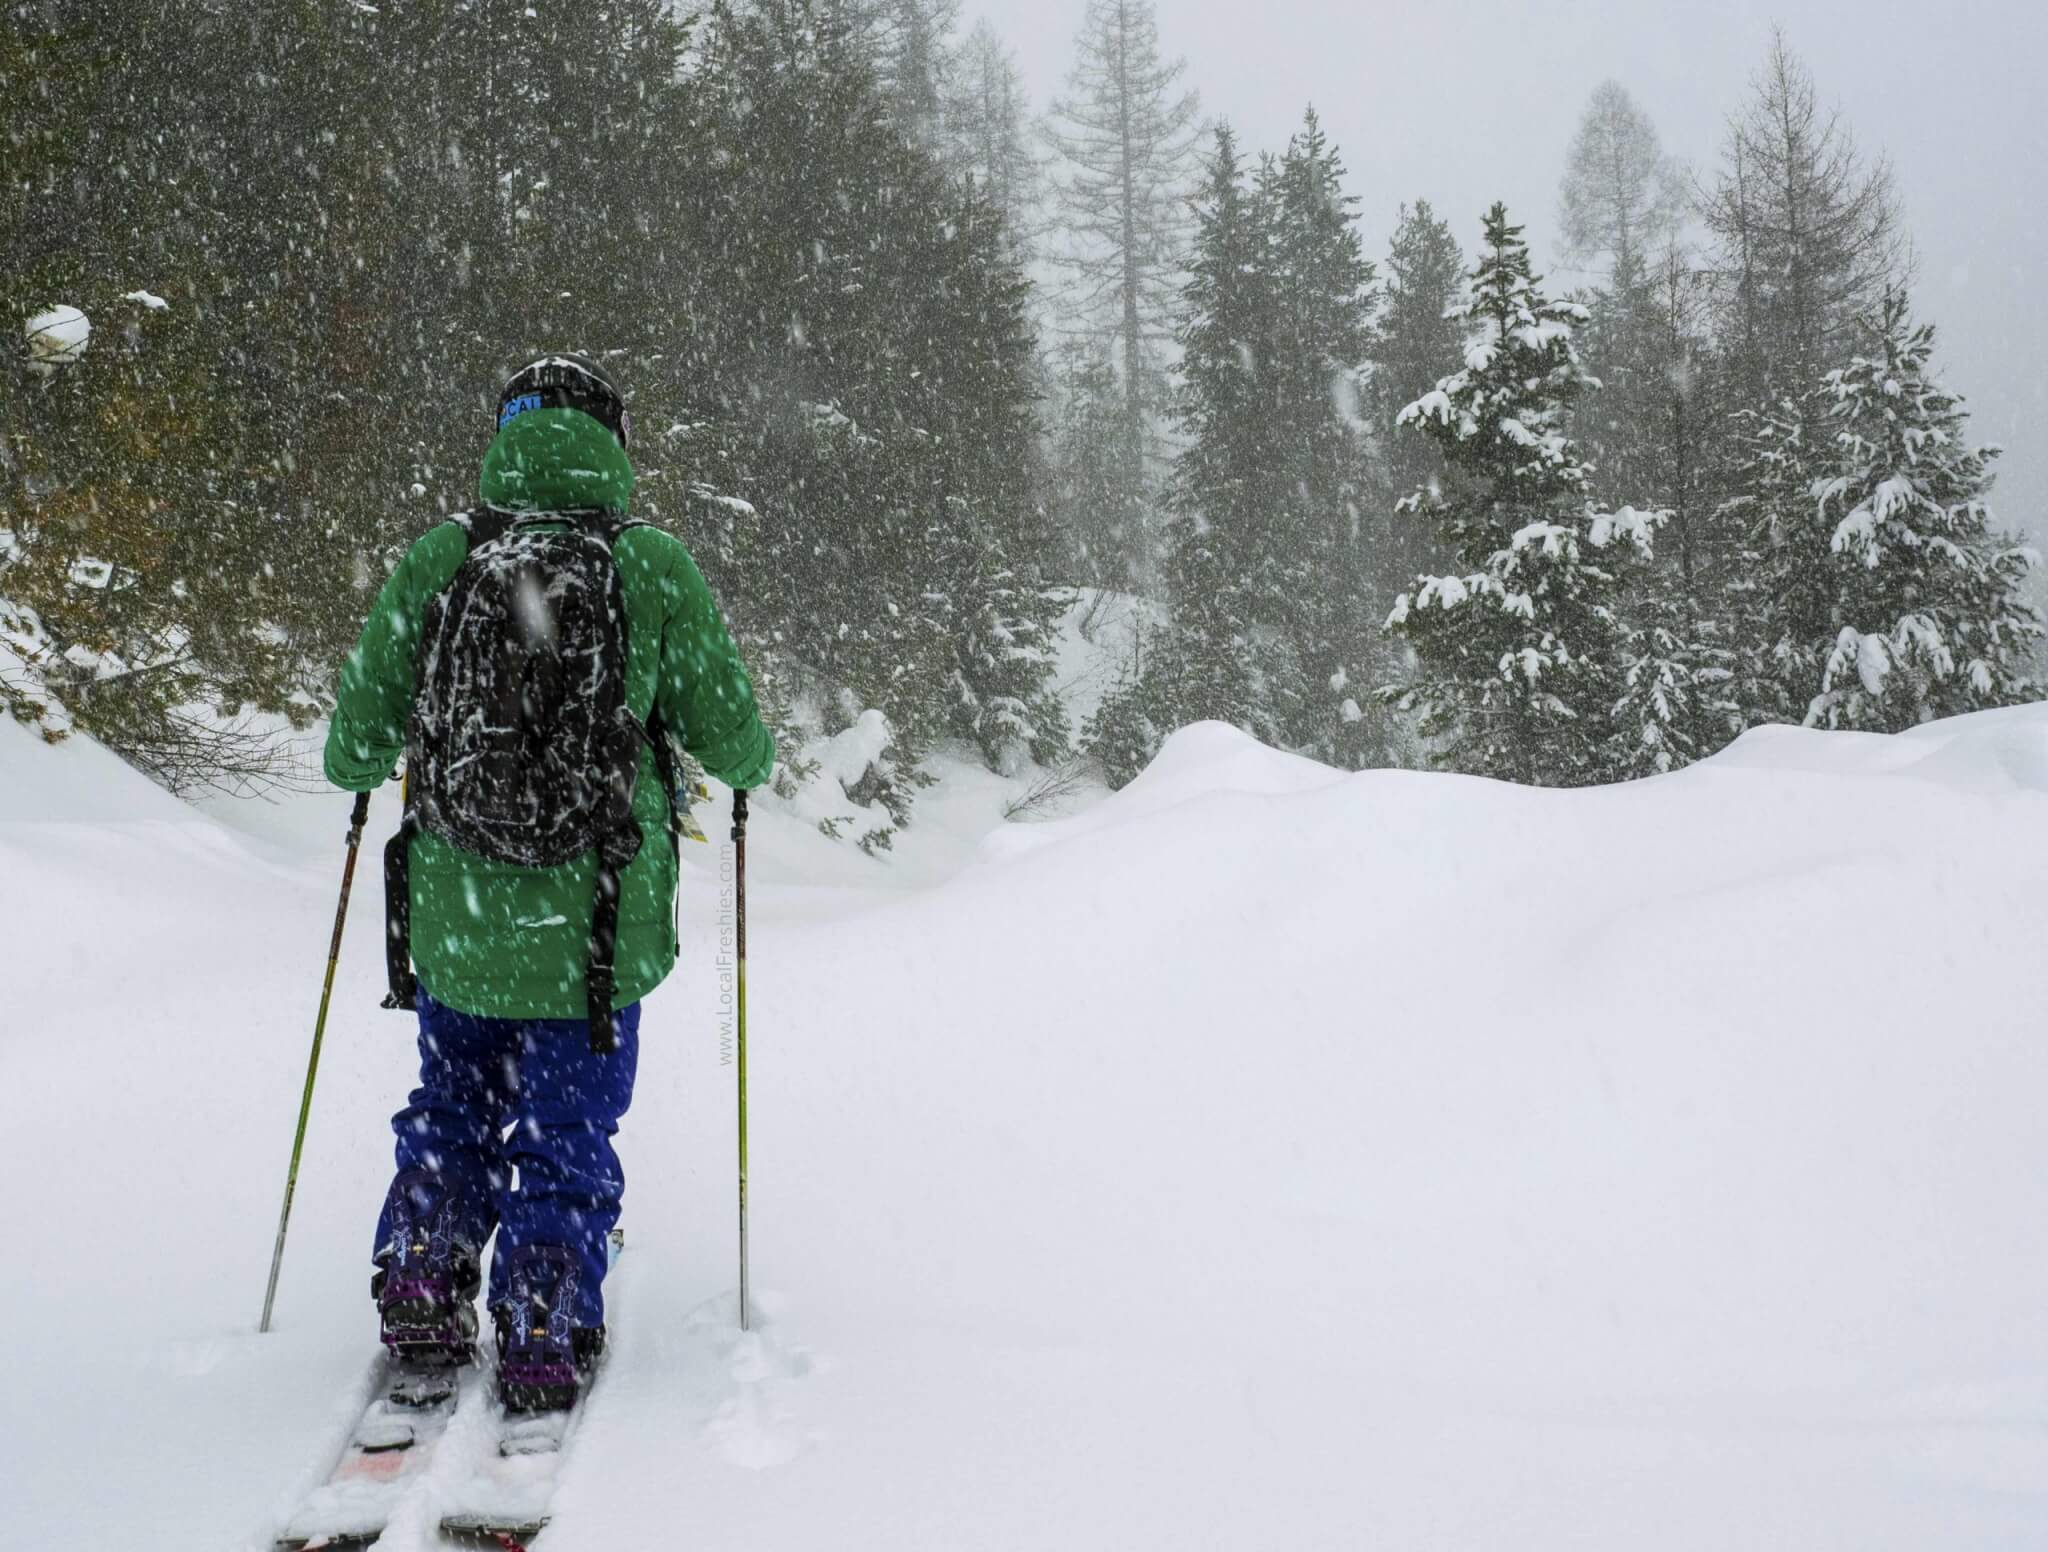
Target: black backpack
(522, 748)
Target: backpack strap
(600, 981)
(672, 785)
(617, 849)
(404, 985)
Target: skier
(530, 661)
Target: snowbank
(1265, 1157)
(75, 781)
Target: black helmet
(565, 382)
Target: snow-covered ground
(1259, 1158)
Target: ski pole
(739, 842)
(357, 820)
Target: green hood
(557, 460)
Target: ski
(508, 1498)
(388, 1450)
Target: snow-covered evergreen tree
(1676, 701)
(1889, 599)
(1515, 673)
(1677, 658)
(1770, 492)
(137, 543)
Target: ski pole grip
(739, 816)
(359, 819)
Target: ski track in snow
(1261, 1157)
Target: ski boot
(426, 1284)
(544, 1357)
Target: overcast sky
(1462, 102)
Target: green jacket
(506, 941)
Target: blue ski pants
(513, 1121)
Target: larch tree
(1622, 198)
(1124, 141)
(988, 133)
(1807, 234)
(1652, 432)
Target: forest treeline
(914, 368)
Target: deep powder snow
(1262, 1157)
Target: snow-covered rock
(57, 337)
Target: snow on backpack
(522, 748)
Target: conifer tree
(879, 352)
(134, 584)
(1650, 433)
(987, 112)
(1229, 563)
(909, 44)
(1096, 511)
(1621, 198)
(1323, 293)
(1416, 343)
(1807, 231)
(1218, 655)
(1677, 657)
(1271, 625)
(1124, 140)
(1774, 458)
(371, 213)
(1890, 599)
(1515, 654)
